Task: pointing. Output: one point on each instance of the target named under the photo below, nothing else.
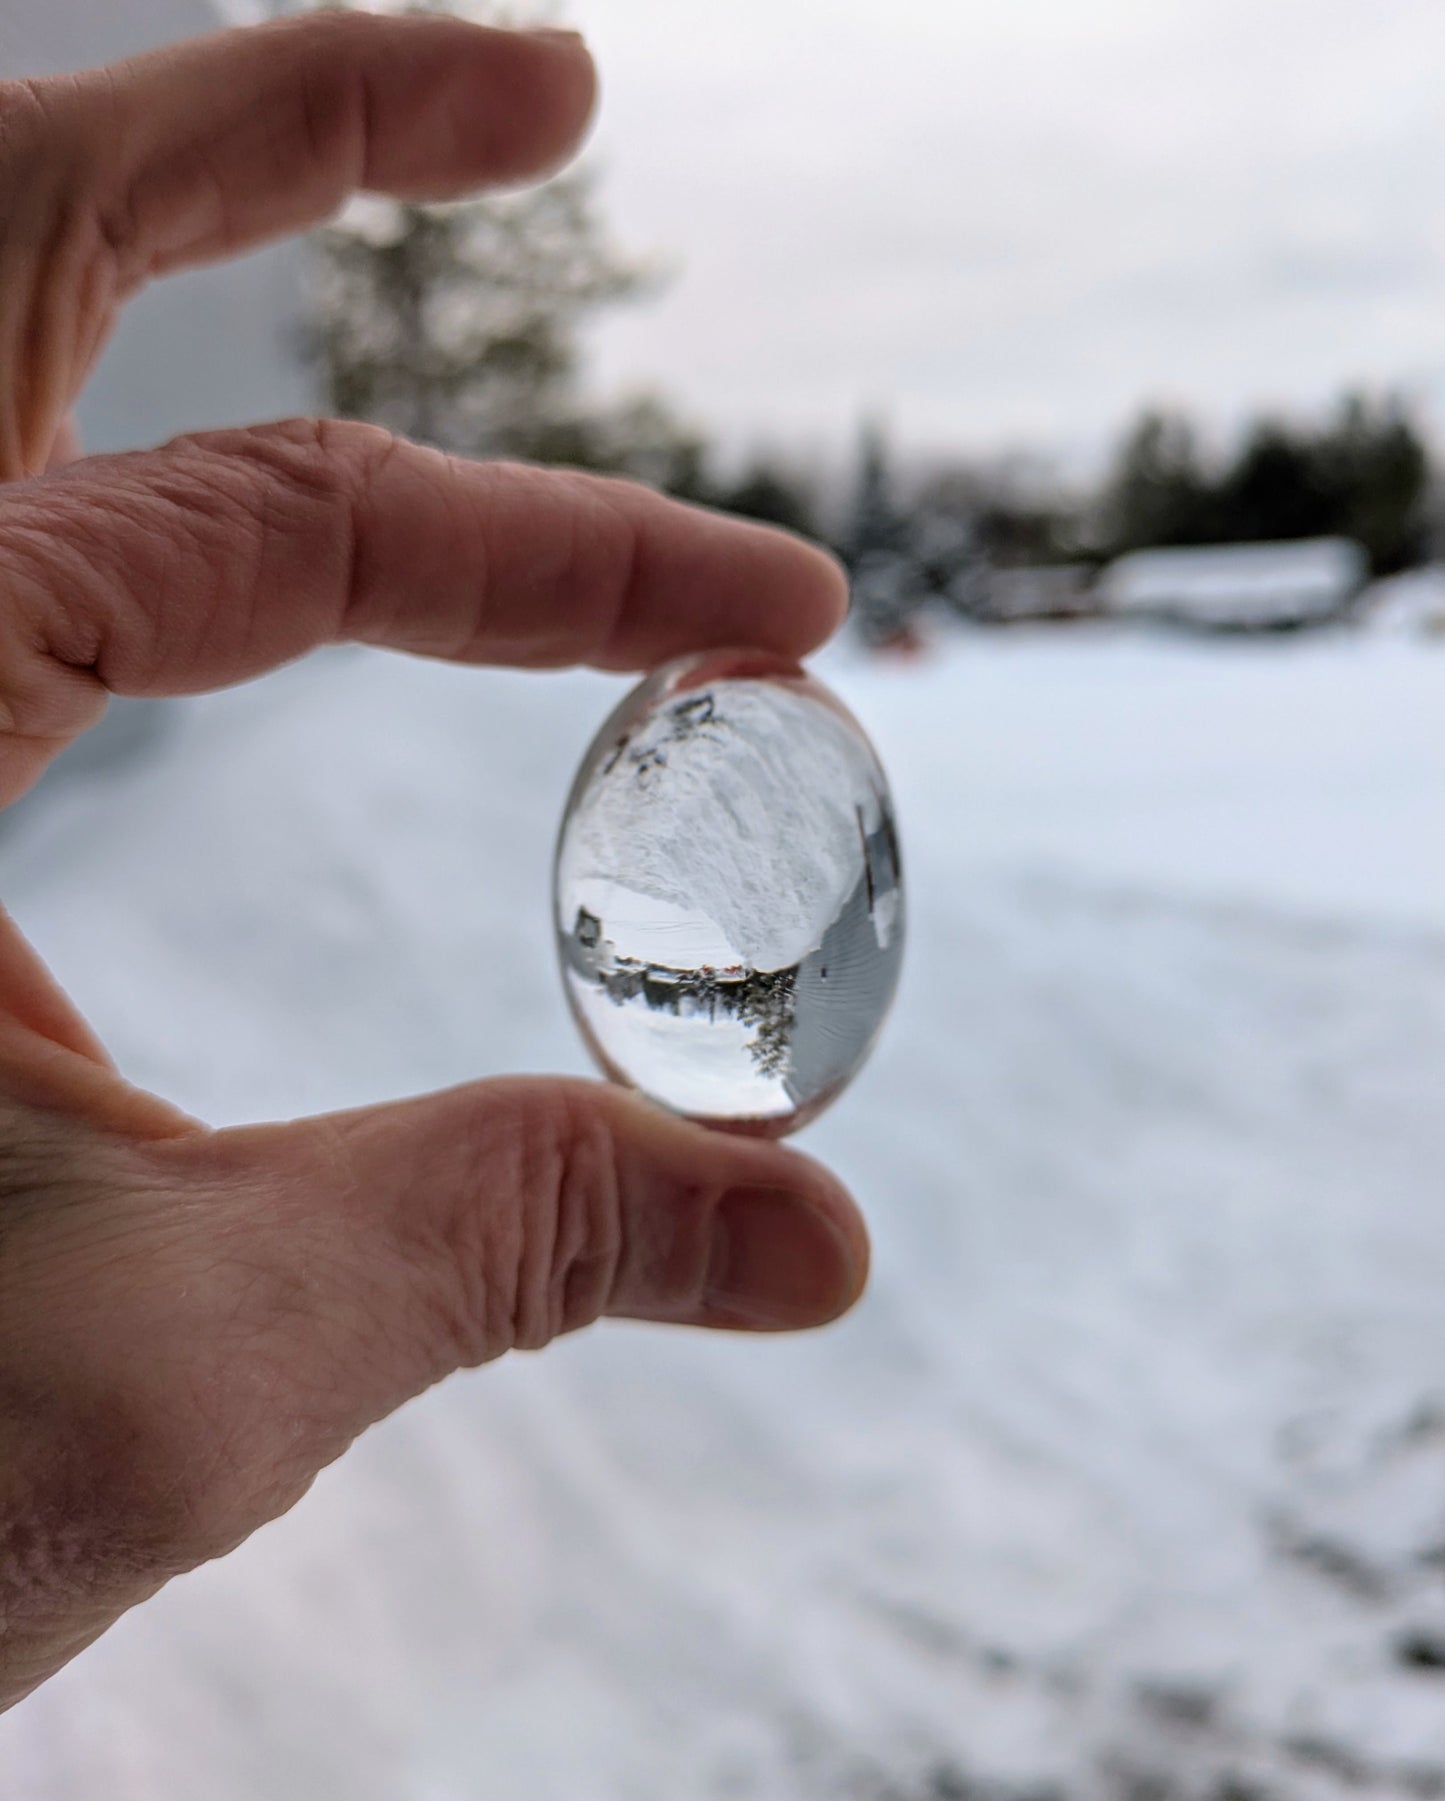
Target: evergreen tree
(459, 325)
(1158, 492)
(768, 492)
(889, 581)
(876, 523)
(1365, 475)
(1279, 487)
(1377, 464)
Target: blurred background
(1107, 344)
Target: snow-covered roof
(1312, 575)
(1411, 602)
(1041, 590)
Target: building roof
(1311, 575)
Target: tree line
(1364, 473)
(461, 326)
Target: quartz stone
(728, 897)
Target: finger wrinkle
(589, 1243)
(369, 605)
(337, 107)
(45, 598)
(629, 581)
(546, 1184)
(559, 1183)
(574, 593)
(424, 1217)
(369, 124)
(92, 621)
(292, 488)
(49, 251)
(115, 210)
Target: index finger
(188, 568)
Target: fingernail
(775, 1263)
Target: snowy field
(1126, 1480)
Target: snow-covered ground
(1127, 1478)
(1409, 603)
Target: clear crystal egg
(727, 893)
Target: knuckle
(578, 1223)
(329, 465)
(588, 568)
(301, 487)
(314, 454)
(535, 1237)
(603, 569)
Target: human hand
(193, 1323)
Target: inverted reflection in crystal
(728, 898)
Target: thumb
(384, 1248)
(505, 1213)
(203, 1321)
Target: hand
(192, 1323)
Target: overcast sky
(1004, 226)
(1010, 224)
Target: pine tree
(1365, 474)
(906, 555)
(889, 585)
(459, 325)
(1159, 491)
(1377, 464)
(768, 491)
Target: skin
(192, 1322)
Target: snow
(1127, 1477)
(770, 875)
(1411, 602)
